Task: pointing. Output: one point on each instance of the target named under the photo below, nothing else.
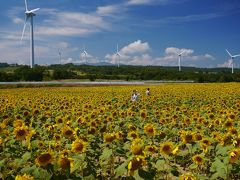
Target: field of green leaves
(180, 131)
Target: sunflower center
(21, 132)
(68, 133)
(45, 158)
(79, 147)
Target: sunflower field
(180, 131)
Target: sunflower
(137, 149)
(143, 113)
(187, 137)
(21, 133)
(217, 122)
(211, 116)
(162, 134)
(234, 155)
(197, 137)
(151, 149)
(166, 148)
(198, 159)
(68, 132)
(109, 118)
(206, 141)
(92, 130)
(149, 129)
(132, 127)
(64, 163)
(59, 120)
(36, 112)
(24, 177)
(228, 124)
(227, 139)
(44, 159)
(79, 146)
(119, 135)
(109, 137)
(187, 176)
(18, 123)
(135, 163)
(233, 131)
(231, 116)
(132, 135)
(57, 137)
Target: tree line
(128, 73)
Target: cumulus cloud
(135, 47)
(129, 52)
(176, 51)
(170, 57)
(137, 53)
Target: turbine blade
(24, 27)
(236, 55)
(34, 10)
(229, 53)
(26, 5)
(181, 53)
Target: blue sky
(148, 32)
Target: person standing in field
(135, 95)
(148, 92)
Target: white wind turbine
(232, 59)
(179, 60)
(118, 55)
(29, 16)
(60, 56)
(84, 55)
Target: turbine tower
(118, 55)
(232, 59)
(60, 56)
(29, 17)
(179, 60)
(84, 55)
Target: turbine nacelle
(180, 54)
(31, 12)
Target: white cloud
(226, 64)
(188, 59)
(108, 10)
(72, 24)
(139, 2)
(176, 51)
(152, 2)
(135, 47)
(136, 53)
(129, 52)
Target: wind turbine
(179, 60)
(29, 16)
(232, 59)
(84, 55)
(118, 55)
(60, 56)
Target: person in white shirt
(135, 95)
(148, 92)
